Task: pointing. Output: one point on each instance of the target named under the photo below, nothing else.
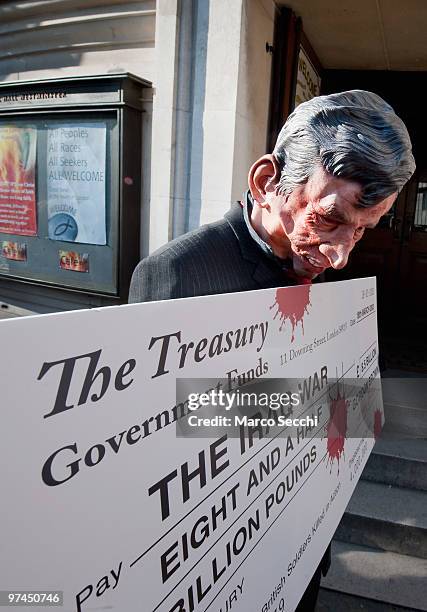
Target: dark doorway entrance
(396, 251)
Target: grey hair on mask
(354, 135)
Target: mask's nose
(337, 255)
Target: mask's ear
(263, 178)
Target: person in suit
(337, 167)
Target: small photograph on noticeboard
(17, 251)
(73, 261)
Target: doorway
(396, 253)
(396, 250)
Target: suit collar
(249, 248)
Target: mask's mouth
(302, 267)
(313, 262)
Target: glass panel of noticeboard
(58, 201)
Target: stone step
(402, 421)
(398, 462)
(363, 578)
(334, 601)
(385, 517)
(405, 389)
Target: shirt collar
(247, 204)
(285, 264)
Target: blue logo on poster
(63, 227)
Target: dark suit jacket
(221, 257)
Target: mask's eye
(325, 223)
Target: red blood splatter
(292, 306)
(378, 423)
(336, 428)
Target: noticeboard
(63, 187)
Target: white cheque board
(102, 500)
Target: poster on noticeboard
(308, 79)
(17, 180)
(76, 169)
